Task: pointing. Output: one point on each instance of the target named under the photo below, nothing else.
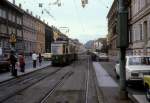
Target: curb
(24, 74)
(132, 98)
(100, 96)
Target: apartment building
(139, 26)
(10, 23)
(29, 32)
(48, 38)
(40, 36)
(112, 31)
(100, 44)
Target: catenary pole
(122, 44)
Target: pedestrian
(34, 58)
(21, 62)
(13, 61)
(40, 59)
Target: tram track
(16, 86)
(72, 90)
(92, 91)
(71, 84)
(23, 77)
(87, 81)
(58, 84)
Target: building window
(130, 35)
(4, 13)
(141, 32)
(0, 12)
(19, 32)
(9, 16)
(19, 20)
(9, 30)
(3, 28)
(145, 30)
(134, 36)
(13, 17)
(13, 30)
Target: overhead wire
(41, 5)
(79, 20)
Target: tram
(64, 53)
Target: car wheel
(117, 76)
(147, 94)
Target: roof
(112, 6)
(12, 6)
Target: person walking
(13, 61)
(21, 62)
(34, 58)
(40, 59)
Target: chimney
(39, 17)
(31, 12)
(20, 5)
(13, 1)
(47, 23)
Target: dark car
(4, 63)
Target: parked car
(147, 86)
(4, 62)
(103, 57)
(47, 56)
(136, 67)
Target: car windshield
(139, 61)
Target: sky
(88, 23)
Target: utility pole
(122, 44)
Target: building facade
(112, 31)
(48, 38)
(29, 32)
(10, 23)
(100, 45)
(40, 36)
(139, 26)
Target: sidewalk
(108, 88)
(7, 76)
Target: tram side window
(66, 50)
(63, 49)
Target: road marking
(103, 77)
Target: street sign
(12, 38)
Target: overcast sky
(85, 24)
